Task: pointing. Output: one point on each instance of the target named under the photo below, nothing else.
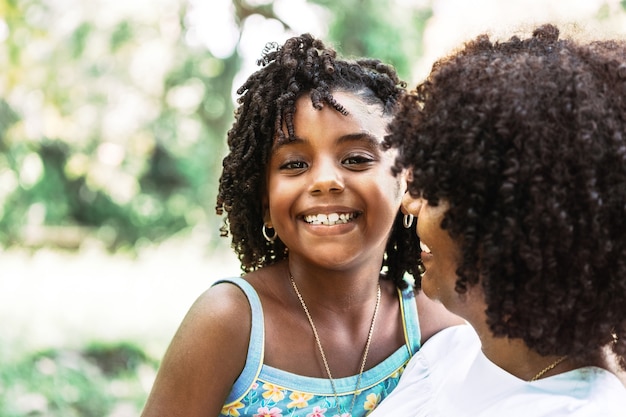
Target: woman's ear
(407, 177)
(408, 174)
(265, 206)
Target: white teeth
(424, 247)
(329, 219)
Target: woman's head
(525, 142)
(302, 67)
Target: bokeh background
(113, 116)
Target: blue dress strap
(254, 359)
(410, 320)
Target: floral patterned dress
(264, 391)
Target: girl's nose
(326, 178)
(412, 205)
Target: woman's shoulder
(606, 393)
(583, 392)
(454, 343)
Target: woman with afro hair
(518, 157)
(323, 321)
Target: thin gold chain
(321, 349)
(549, 367)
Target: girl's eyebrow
(364, 137)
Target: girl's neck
(344, 287)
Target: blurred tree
(382, 29)
(111, 123)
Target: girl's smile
(330, 219)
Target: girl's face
(331, 196)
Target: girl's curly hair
(303, 65)
(526, 140)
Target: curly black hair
(526, 141)
(302, 65)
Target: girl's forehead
(358, 100)
(356, 106)
(359, 115)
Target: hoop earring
(270, 239)
(407, 221)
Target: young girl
(323, 321)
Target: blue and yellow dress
(262, 390)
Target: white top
(451, 377)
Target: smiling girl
(323, 321)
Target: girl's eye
(358, 160)
(293, 165)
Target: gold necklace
(547, 368)
(321, 349)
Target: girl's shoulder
(222, 300)
(196, 359)
(235, 293)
